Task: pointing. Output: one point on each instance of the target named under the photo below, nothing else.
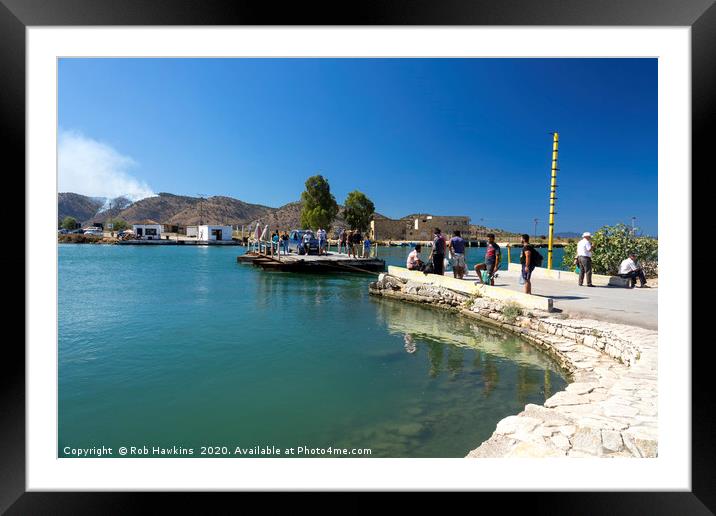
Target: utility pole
(552, 196)
(633, 226)
(201, 209)
(535, 233)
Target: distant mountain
(568, 234)
(161, 208)
(78, 206)
(182, 210)
(218, 210)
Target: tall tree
(358, 210)
(319, 206)
(69, 223)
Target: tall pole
(535, 233)
(552, 197)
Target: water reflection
(409, 343)
(439, 328)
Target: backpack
(429, 268)
(537, 258)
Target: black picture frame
(17, 15)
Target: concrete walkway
(635, 307)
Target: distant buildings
(417, 227)
(147, 230)
(210, 232)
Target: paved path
(636, 307)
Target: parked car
(62, 231)
(94, 232)
(76, 232)
(295, 242)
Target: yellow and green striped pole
(552, 198)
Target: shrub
(511, 311)
(78, 239)
(612, 244)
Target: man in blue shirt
(457, 248)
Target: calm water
(182, 346)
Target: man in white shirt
(584, 258)
(414, 262)
(630, 269)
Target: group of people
(455, 248)
(280, 241)
(530, 258)
(629, 268)
(351, 241)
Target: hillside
(80, 207)
(218, 210)
(161, 208)
(181, 210)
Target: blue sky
(444, 136)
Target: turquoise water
(182, 346)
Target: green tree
(319, 205)
(118, 224)
(612, 244)
(358, 211)
(69, 223)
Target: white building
(148, 230)
(207, 232)
(192, 231)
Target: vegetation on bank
(69, 223)
(74, 238)
(612, 244)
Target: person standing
(321, 234)
(366, 247)
(584, 258)
(631, 270)
(284, 242)
(274, 242)
(527, 259)
(357, 241)
(493, 255)
(349, 243)
(342, 241)
(457, 248)
(438, 252)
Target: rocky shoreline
(610, 407)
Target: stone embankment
(610, 407)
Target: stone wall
(609, 409)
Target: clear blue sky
(444, 136)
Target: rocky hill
(219, 210)
(182, 210)
(78, 206)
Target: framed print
(413, 249)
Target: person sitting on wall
(414, 262)
(631, 270)
(493, 255)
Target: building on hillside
(418, 227)
(208, 232)
(147, 230)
